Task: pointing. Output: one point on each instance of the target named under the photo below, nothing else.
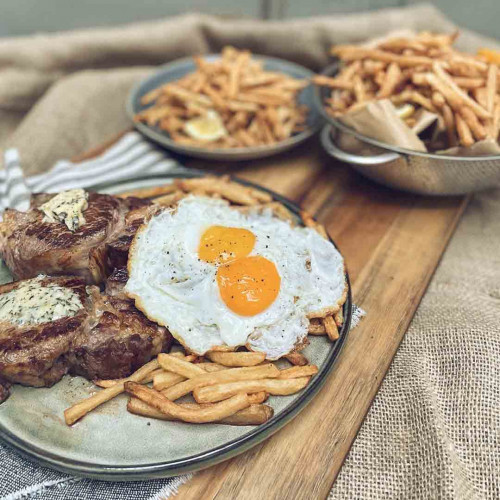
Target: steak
(30, 244)
(34, 353)
(117, 248)
(116, 281)
(119, 343)
(75, 329)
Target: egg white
(173, 287)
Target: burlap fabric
(433, 430)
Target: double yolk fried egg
(215, 276)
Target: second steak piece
(118, 340)
(32, 243)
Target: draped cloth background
(433, 430)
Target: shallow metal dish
(400, 168)
(114, 445)
(177, 69)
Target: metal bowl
(400, 168)
(177, 69)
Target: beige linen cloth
(433, 429)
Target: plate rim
(215, 455)
(228, 154)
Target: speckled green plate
(111, 444)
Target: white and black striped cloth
(130, 158)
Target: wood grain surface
(392, 243)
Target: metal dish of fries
(129, 438)
(375, 98)
(248, 108)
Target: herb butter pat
(66, 207)
(33, 303)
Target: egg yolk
(221, 244)
(248, 285)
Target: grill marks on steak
(31, 246)
(107, 338)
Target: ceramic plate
(111, 444)
(177, 69)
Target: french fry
(219, 392)
(201, 415)
(331, 328)
(459, 93)
(438, 100)
(464, 132)
(325, 311)
(334, 83)
(179, 366)
(229, 375)
(165, 380)
(468, 82)
(237, 358)
(236, 193)
(80, 409)
(491, 87)
(478, 131)
(212, 367)
(255, 414)
(316, 328)
(496, 121)
(185, 357)
(109, 383)
(359, 89)
(449, 122)
(359, 53)
(298, 372)
(297, 359)
(339, 318)
(391, 81)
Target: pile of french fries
(427, 73)
(227, 387)
(256, 107)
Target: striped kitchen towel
(130, 158)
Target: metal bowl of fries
(240, 114)
(464, 98)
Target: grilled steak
(118, 247)
(31, 244)
(117, 281)
(4, 390)
(39, 320)
(119, 343)
(50, 326)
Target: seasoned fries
(426, 72)
(230, 103)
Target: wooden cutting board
(392, 243)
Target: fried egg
(215, 276)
